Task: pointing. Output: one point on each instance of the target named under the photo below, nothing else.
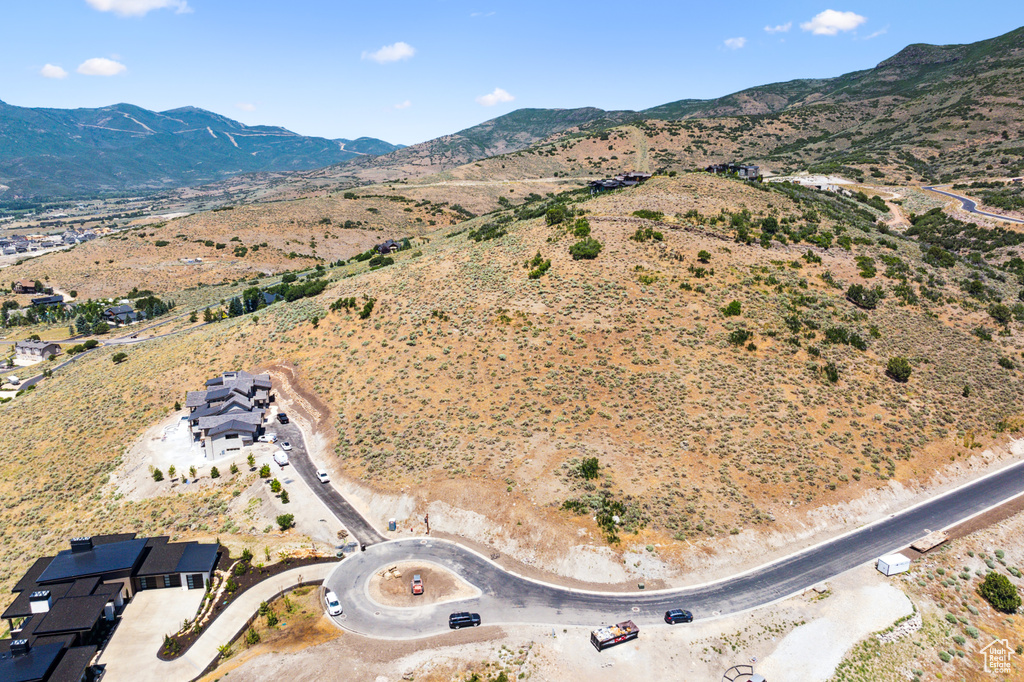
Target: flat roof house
(31, 352)
(65, 605)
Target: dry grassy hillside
(275, 236)
(467, 370)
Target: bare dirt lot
(393, 587)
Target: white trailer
(891, 564)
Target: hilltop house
(66, 605)
(229, 414)
(744, 171)
(27, 286)
(48, 301)
(619, 181)
(388, 247)
(121, 314)
(30, 352)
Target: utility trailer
(610, 635)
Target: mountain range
(928, 112)
(125, 147)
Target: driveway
(149, 616)
(972, 207)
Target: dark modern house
(618, 182)
(390, 246)
(744, 171)
(229, 414)
(121, 314)
(48, 301)
(65, 605)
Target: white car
(333, 605)
(268, 438)
(322, 475)
(285, 445)
(281, 457)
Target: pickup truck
(610, 635)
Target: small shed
(891, 564)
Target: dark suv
(282, 417)
(678, 616)
(463, 619)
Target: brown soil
(440, 585)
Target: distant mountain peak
(921, 54)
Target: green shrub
(732, 310)
(214, 472)
(898, 369)
(158, 475)
(265, 471)
(585, 249)
(582, 228)
(285, 521)
(555, 215)
(649, 215)
(703, 256)
(739, 337)
(998, 591)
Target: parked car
(417, 584)
(674, 616)
(463, 619)
(333, 605)
(282, 417)
(286, 445)
(281, 457)
(268, 438)
(322, 475)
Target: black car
(282, 417)
(463, 619)
(678, 616)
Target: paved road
(972, 207)
(361, 530)
(507, 598)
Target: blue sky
(410, 71)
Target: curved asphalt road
(972, 206)
(508, 598)
(298, 457)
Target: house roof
(102, 558)
(178, 557)
(72, 666)
(195, 398)
(198, 558)
(119, 310)
(37, 345)
(254, 418)
(28, 581)
(73, 614)
(35, 665)
(233, 425)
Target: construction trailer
(610, 635)
(891, 564)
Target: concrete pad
(146, 619)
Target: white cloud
(51, 71)
(735, 43)
(391, 53)
(831, 22)
(137, 8)
(781, 28)
(246, 106)
(99, 66)
(879, 32)
(495, 97)
(403, 105)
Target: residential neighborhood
(230, 413)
